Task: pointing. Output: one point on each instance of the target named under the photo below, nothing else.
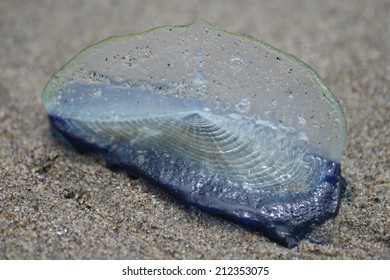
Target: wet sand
(58, 204)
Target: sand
(58, 204)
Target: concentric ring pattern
(224, 122)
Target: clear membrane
(225, 122)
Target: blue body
(285, 219)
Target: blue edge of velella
(296, 234)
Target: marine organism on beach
(222, 121)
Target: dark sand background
(58, 204)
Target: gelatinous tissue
(224, 122)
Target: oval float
(222, 121)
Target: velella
(223, 122)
